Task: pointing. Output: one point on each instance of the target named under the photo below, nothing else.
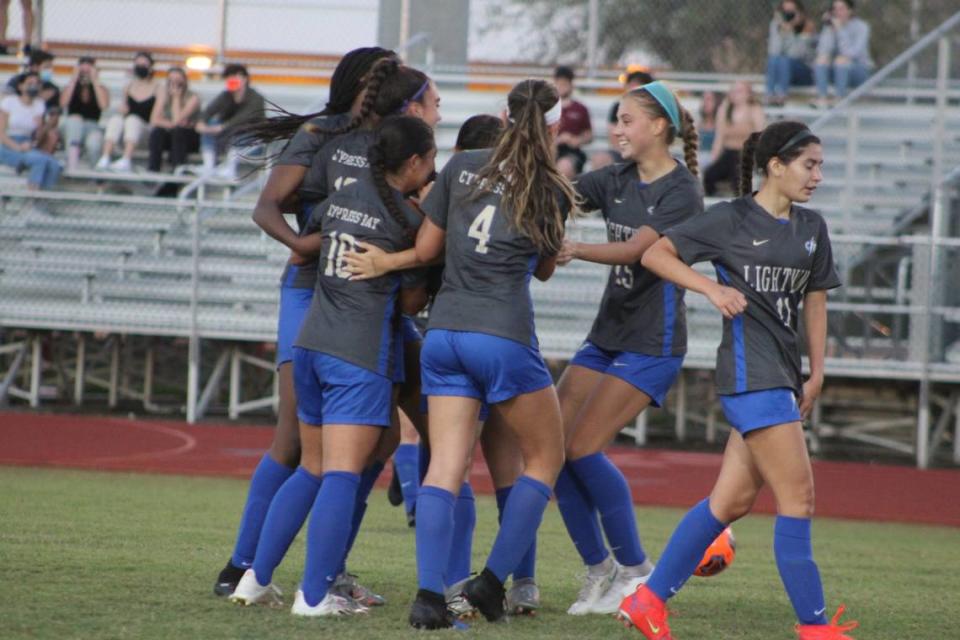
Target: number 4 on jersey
(480, 228)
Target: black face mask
(33, 91)
(788, 16)
(141, 71)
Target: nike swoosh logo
(757, 243)
(654, 628)
(617, 201)
(619, 364)
(819, 613)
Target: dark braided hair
(688, 130)
(773, 142)
(398, 138)
(390, 88)
(348, 80)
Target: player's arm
(268, 213)
(662, 259)
(815, 322)
(545, 268)
(413, 300)
(612, 253)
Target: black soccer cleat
(487, 594)
(412, 519)
(429, 611)
(227, 580)
(394, 492)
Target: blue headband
(666, 99)
(415, 97)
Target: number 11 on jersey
(480, 228)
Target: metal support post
(680, 421)
(112, 392)
(222, 31)
(81, 369)
(148, 378)
(640, 429)
(193, 355)
(593, 28)
(235, 384)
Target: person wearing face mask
(130, 126)
(20, 117)
(237, 103)
(173, 119)
(41, 63)
(84, 99)
(843, 52)
(790, 50)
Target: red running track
(657, 477)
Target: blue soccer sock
(801, 578)
(461, 550)
(609, 491)
(328, 532)
(406, 463)
(367, 479)
(267, 479)
(685, 549)
(435, 507)
(423, 462)
(527, 566)
(522, 515)
(286, 515)
(580, 517)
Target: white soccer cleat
(595, 587)
(626, 582)
(331, 605)
(250, 592)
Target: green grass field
(91, 555)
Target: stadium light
(199, 63)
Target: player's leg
(406, 480)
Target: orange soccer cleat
(831, 631)
(647, 612)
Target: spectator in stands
(707, 126)
(790, 50)
(41, 63)
(740, 114)
(843, 52)
(20, 117)
(236, 104)
(26, 14)
(174, 120)
(634, 78)
(575, 128)
(130, 126)
(47, 137)
(84, 98)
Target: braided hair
(773, 142)
(397, 139)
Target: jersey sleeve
(676, 207)
(437, 202)
(591, 187)
(824, 275)
(703, 237)
(301, 149)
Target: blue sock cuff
(502, 494)
(275, 468)
(704, 507)
(345, 476)
(466, 492)
(437, 492)
(306, 475)
(586, 462)
(792, 527)
(535, 485)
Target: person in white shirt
(20, 117)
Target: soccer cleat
(429, 611)
(250, 592)
(347, 586)
(227, 580)
(832, 631)
(459, 606)
(412, 519)
(645, 611)
(623, 585)
(394, 492)
(523, 598)
(595, 587)
(486, 593)
(331, 605)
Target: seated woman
(173, 119)
(739, 115)
(790, 50)
(131, 124)
(20, 117)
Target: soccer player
(635, 349)
(770, 256)
(296, 289)
(348, 356)
(500, 215)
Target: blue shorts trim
(478, 365)
(294, 303)
(334, 391)
(653, 375)
(759, 409)
(409, 330)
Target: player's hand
(425, 191)
(568, 252)
(366, 264)
(299, 259)
(811, 391)
(728, 300)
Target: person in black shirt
(771, 257)
(131, 124)
(84, 98)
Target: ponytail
(746, 163)
(522, 163)
(691, 142)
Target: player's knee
(731, 508)
(286, 452)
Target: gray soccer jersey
(486, 280)
(774, 264)
(356, 320)
(640, 312)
